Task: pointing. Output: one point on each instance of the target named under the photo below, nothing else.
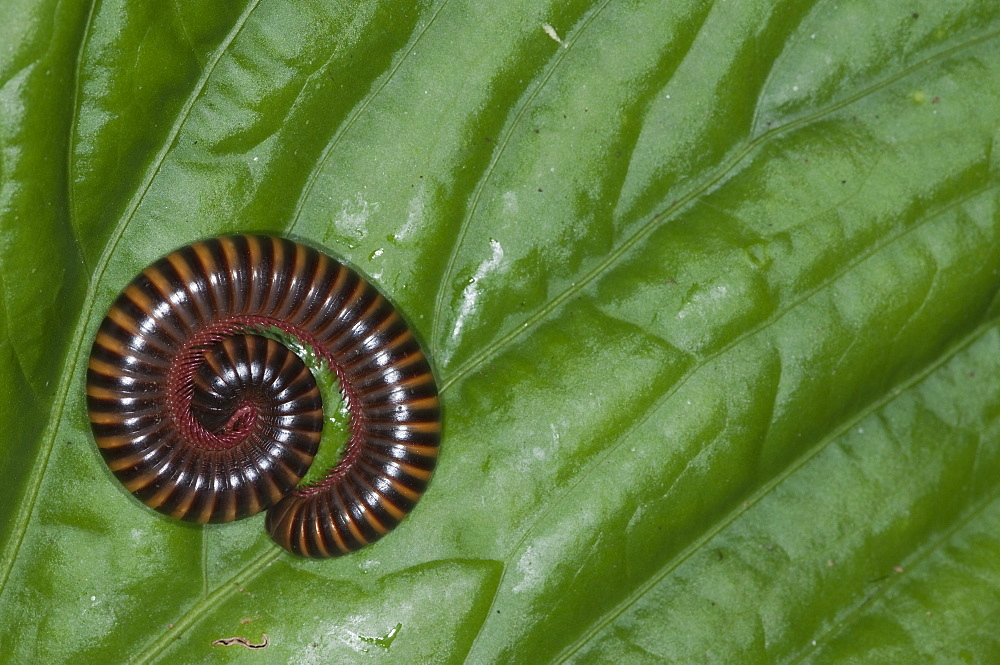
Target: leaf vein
(339, 135)
(888, 396)
(561, 53)
(655, 219)
(921, 555)
(71, 367)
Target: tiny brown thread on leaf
(242, 641)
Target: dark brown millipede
(206, 421)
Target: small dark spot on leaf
(843, 182)
(536, 131)
(935, 100)
(915, 15)
(539, 189)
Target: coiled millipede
(206, 421)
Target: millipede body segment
(206, 421)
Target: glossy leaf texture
(711, 290)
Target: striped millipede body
(206, 421)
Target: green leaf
(711, 290)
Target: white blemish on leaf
(551, 32)
(530, 574)
(352, 222)
(414, 215)
(470, 294)
(510, 206)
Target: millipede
(204, 418)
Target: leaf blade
(741, 251)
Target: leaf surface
(711, 291)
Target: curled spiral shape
(206, 421)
